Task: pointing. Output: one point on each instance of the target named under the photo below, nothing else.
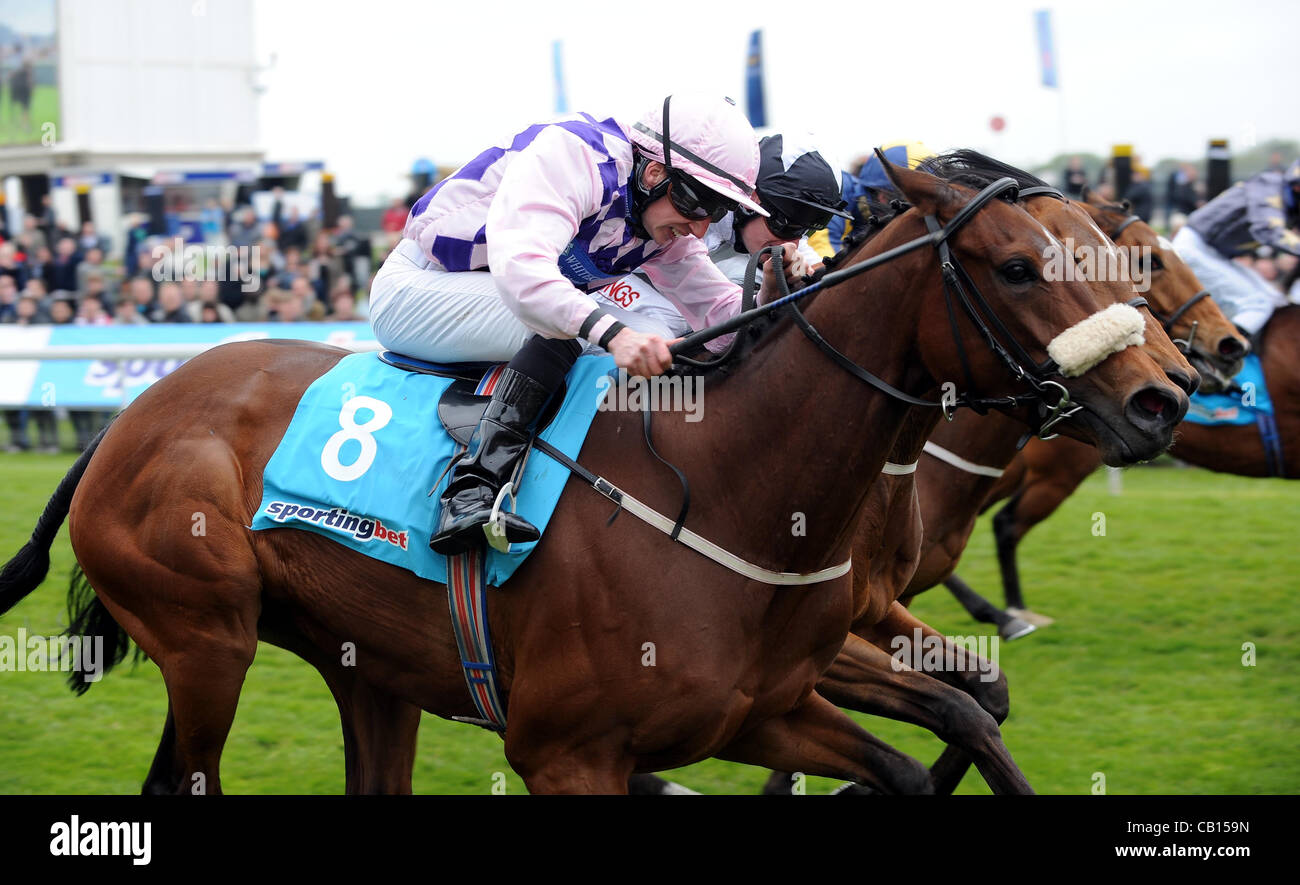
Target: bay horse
(932, 511)
(983, 467)
(1045, 474)
(738, 660)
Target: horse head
(1002, 321)
(1209, 339)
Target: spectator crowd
(285, 268)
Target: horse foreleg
(866, 678)
(1009, 626)
(992, 695)
(1036, 501)
(1007, 538)
(817, 738)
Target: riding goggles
(783, 226)
(693, 200)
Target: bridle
(1051, 396)
(1184, 345)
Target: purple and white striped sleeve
(544, 194)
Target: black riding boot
(499, 441)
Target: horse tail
(25, 572)
(88, 617)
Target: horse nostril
(1152, 401)
(1188, 384)
(1232, 348)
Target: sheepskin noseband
(1089, 341)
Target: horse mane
(971, 168)
(963, 166)
(976, 170)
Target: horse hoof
(852, 789)
(1031, 617)
(1015, 628)
(672, 789)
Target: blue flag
(755, 106)
(1046, 51)
(557, 66)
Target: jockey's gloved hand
(639, 354)
(793, 267)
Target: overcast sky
(370, 86)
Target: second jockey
(1263, 210)
(496, 262)
(800, 190)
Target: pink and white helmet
(708, 138)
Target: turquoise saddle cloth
(1236, 408)
(365, 448)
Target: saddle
(461, 405)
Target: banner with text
(113, 383)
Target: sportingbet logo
(340, 520)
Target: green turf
(44, 109)
(1140, 678)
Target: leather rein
(1051, 396)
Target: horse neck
(815, 437)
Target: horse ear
(1085, 194)
(923, 190)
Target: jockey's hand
(793, 267)
(645, 355)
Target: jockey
(870, 184)
(496, 262)
(801, 193)
(1263, 210)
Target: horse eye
(1156, 263)
(1018, 272)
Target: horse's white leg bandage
(1089, 341)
